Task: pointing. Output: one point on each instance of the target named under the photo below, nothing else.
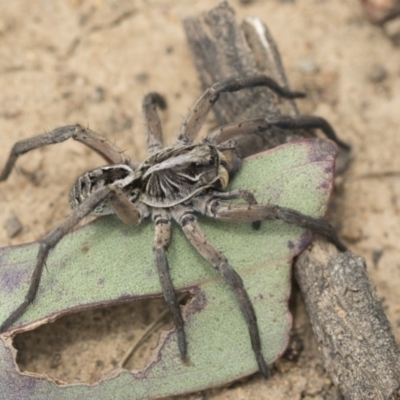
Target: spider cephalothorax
(175, 183)
(176, 174)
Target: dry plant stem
(353, 333)
(146, 334)
(359, 350)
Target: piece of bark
(380, 11)
(353, 334)
(222, 49)
(369, 362)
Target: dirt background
(92, 61)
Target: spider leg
(245, 195)
(191, 229)
(152, 121)
(238, 194)
(237, 130)
(86, 136)
(126, 211)
(257, 212)
(161, 242)
(250, 137)
(49, 242)
(198, 113)
(308, 122)
(232, 131)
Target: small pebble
(376, 256)
(308, 66)
(377, 73)
(56, 361)
(98, 95)
(351, 233)
(142, 77)
(118, 122)
(13, 227)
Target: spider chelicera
(175, 183)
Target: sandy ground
(91, 62)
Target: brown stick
(354, 336)
(357, 345)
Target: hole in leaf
(85, 346)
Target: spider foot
(182, 344)
(262, 365)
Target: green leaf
(107, 262)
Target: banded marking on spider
(175, 183)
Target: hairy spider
(175, 183)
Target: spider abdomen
(97, 178)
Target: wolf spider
(175, 183)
